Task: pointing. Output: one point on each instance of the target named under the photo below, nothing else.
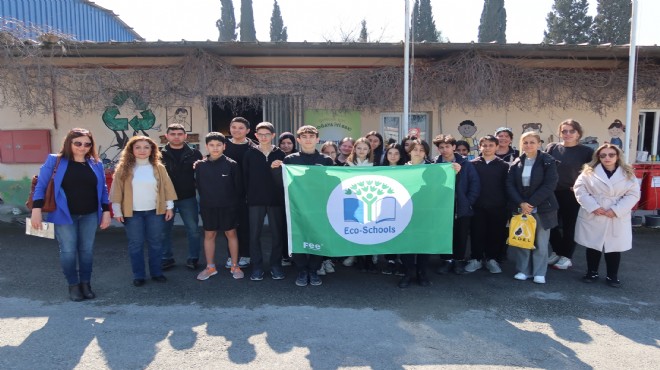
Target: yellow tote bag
(522, 229)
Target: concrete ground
(353, 320)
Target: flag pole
(406, 72)
(632, 61)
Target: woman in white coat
(607, 190)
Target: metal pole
(632, 60)
(406, 73)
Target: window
(391, 123)
(648, 133)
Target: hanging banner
(334, 125)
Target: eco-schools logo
(369, 209)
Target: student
(142, 197)
(463, 148)
(178, 159)
(345, 149)
(377, 146)
(308, 136)
(467, 192)
(570, 156)
(219, 185)
(393, 156)
(330, 149)
(265, 196)
(530, 188)
(504, 150)
(235, 148)
(287, 143)
(361, 156)
(405, 144)
(488, 232)
(416, 264)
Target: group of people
(575, 194)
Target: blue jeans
(145, 226)
(189, 212)
(76, 243)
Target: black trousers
(307, 262)
(415, 263)
(459, 243)
(563, 241)
(612, 260)
(488, 232)
(256, 223)
(243, 230)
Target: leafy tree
(248, 33)
(369, 192)
(612, 23)
(568, 22)
(277, 29)
(227, 23)
(364, 35)
(493, 22)
(423, 25)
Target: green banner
(334, 125)
(354, 211)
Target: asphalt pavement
(353, 320)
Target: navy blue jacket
(468, 186)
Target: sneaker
(590, 277)
(390, 268)
(473, 265)
(329, 266)
(286, 262)
(321, 271)
(207, 273)
(191, 263)
(349, 261)
(228, 263)
(314, 279)
(553, 258)
(244, 262)
(257, 275)
(614, 283)
(459, 267)
(301, 280)
(520, 276)
(276, 274)
(167, 264)
(404, 282)
(563, 264)
(445, 267)
(400, 269)
(493, 267)
(236, 272)
(539, 279)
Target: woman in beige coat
(607, 190)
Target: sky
(328, 20)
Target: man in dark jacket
(467, 191)
(178, 159)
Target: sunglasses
(80, 143)
(566, 132)
(605, 155)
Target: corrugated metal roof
(82, 19)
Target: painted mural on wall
(128, 112)
(616, 130)
(468, 131)
(181, 115)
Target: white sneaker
(539, 279)
(553, 258)
(563, 264)
(521, 276)
(328, 266)
(244, 262)
(473, 265)
(320, 271)
(349, 261)
(493, 267)
(286, 262)
(228, 263)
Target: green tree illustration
(369, 192)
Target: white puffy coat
(620, 194)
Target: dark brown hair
(67, 152)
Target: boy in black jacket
(490, 211)
(307, 137)
(264, 196)
(220, 188)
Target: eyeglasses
(80, 143)
(566, 132)
(605, 155)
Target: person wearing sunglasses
(81, 197)
(606, 190)
(571, 156)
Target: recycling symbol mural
(143, 120)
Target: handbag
(522, 229)
(49, 195)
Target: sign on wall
(334, 125)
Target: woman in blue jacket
(81, 197)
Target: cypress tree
(493, 22)
(568, 22)
(364, 35)
(612, 23)
(423, 23)
(227, 23)
(277, 29)
(248, 33)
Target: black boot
(405, 281)
(422, 279)
(86, 290)
(75, 294)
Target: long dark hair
(127, 160)
(402, 155)
(66, 150)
